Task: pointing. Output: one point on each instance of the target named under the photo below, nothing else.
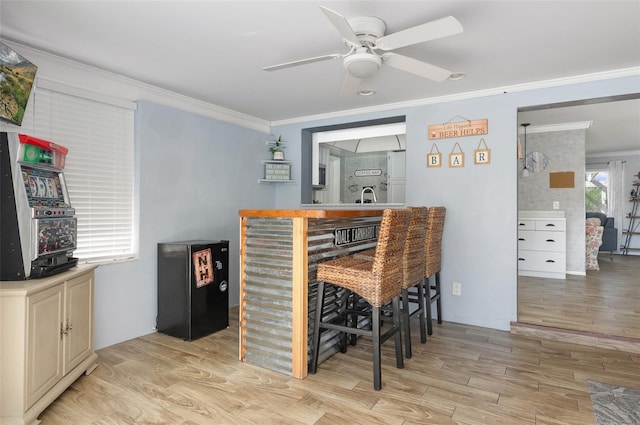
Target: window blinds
(99, 169)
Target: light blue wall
(195, 174)
(177, 149)
(479, 246)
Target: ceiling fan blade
(301, 62)
(341, 24)
(414, 66)
(350, 85)
(430, 31)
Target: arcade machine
(38, 225)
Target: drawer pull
(521, 239)
(549, 261)
(550, 240)
(550, 225)
(522, 224)
(520, 259)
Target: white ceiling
(615, 125)
(214, 50)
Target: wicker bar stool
(413, 264)
(377, 282)
(433, 257)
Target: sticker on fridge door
(203, 267)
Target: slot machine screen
(44, 188)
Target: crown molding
(616, 154)
(110, 87)
(567, 126)
(144, 91)
(606, 75)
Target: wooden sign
(482, 156)
(459, 129)
(434, 159)
(456, 159)
(203, 267)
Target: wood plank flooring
(462, 375)
(603, 302)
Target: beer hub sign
(459, 129)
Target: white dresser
(542, 244)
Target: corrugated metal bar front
(268, 293)
(267, 303)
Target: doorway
(604, 301)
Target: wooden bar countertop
(313, 213)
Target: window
(99, 168)
(595, 191)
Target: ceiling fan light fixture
(457, 76)
(362, 65)
(366, 92)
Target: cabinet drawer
(526, 225)
(551, 225)
(542, 241)
(553, 262)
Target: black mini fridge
(193, 296)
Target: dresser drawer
(526, 225)
(551, 262)
(559, 225)
(542, 241)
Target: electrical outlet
(556, 205)
(457, 288)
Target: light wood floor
(603, 302)
(462, 375)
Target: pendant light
(525, 171)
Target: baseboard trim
(612, 342)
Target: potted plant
(276, 148)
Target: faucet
(368, 189)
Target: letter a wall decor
(456, 159)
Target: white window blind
(99, 169)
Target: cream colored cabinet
(46, 341)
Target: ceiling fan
(364, 36)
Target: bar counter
(279, 254)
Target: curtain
(616, 195)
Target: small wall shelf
(276, 171)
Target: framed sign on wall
(434, 159)
(456, 158)
(482, 156)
